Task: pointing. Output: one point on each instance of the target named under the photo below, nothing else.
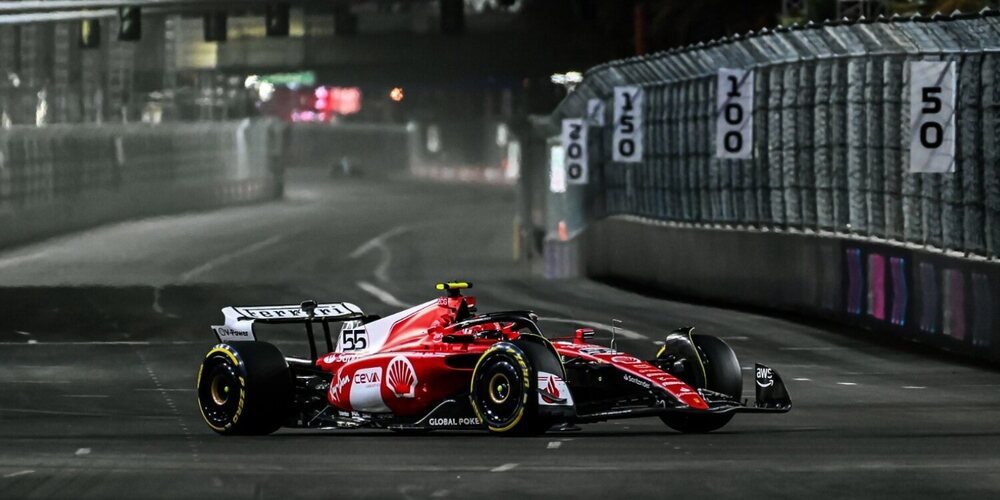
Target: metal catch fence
(830, 141)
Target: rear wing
(239, 322)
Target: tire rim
(220, 390)
(499, 388)
(499, 394)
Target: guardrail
(59, 178)
(860, 160)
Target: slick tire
(244, 388)
(504, 392)
(723, 373)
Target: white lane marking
(380, 294)
(85, 396)
(624, 332)
(913, 387)
(19, 332)
(503, 468)
(146, 389)
(229, 257)
(32, 341)
(801, 379)
(19, 259)
(846, 383)
(440, 494)
(809, 348)
(553, 445)
(37, 381)
(737, 337)
(188, 436)
(82, 451)
(379, 242)
(18, 473)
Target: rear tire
(244, 388)
(723, 373)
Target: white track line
(229, 257)
(503, 468)
(20, 259)
(380, 294)
(18, 473)
(379, 242)
(624, 332)
(846, 383)
(82, 451)
(553, 445)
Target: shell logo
(552, 389)
(401, 378)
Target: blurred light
(396, 94)
(568, 78)
(433, 139)
(42, 109)
(503, 134)
(557, 169)
(513, 170)
(265, 90)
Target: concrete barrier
(948, 302)
(63, 178)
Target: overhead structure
(276, 19)
(214, 25)
(129, 24)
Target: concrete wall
(62, 178)
(949, 302)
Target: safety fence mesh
(830, 138)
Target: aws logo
(764, 376)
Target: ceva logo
(368, 376)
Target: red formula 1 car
(440, 365)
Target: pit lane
(102, 332)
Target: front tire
(722, 371)
(244, 388)
(504, 391)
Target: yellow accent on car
(454, 285)
(223, 350)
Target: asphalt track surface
(102, 331)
